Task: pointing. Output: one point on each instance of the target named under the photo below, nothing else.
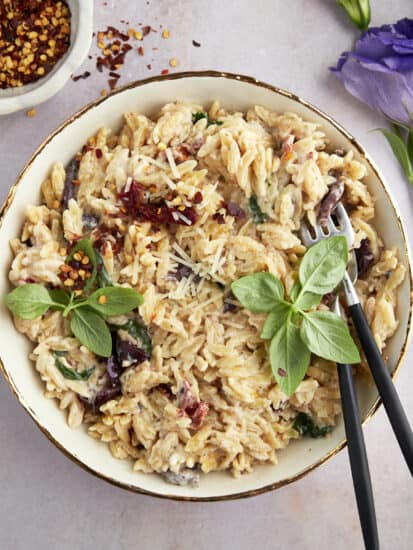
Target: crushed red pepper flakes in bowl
(34, 36)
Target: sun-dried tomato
(158, 211)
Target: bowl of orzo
(124, 240)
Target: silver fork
(381, 375)
(356, 445)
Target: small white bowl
(234, 92)
(14, 99)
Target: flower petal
(390, 93)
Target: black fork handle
(385, 386)
(358, 458)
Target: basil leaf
(289, 357)
(305, 425)
(119, 300)
(327, 335)
(258, 292)
(30, 301)
(323, 265)
(257, 214)
(400, 152)
(103, 277)
(85, 246)
(358, 11)
(140, 333)
(275, 319)
(71, 374)
(59, 296)
(91, 331)
(295, 291)
(308, 300)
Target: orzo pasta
(179, 206)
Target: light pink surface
(47, 500)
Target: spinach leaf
(327, 335)
(140, 333)
(31, 300)
(258, 292)
(72, 374)
(91, 331)
(201, 114)
(323, 265)
(289, 357)
(114, 300)
(257, 214)
(304, 425)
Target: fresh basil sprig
(87, 313)
(358, 11)
(294, 331)
(69, 373)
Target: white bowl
(235, 92)
(14, 99)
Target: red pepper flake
(140, 50)
(282, 372)
(146, 30)
(198, 198)
(114, 75)
(112, 83)
(116, 32)
(219, 218)
(98, 153)
(196, 44)
(84, 75)
(165, 71)
(149, 66)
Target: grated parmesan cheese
(172, 164)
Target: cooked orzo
(178, 207)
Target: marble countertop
(45, 498)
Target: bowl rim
(56, 80)
(362, 152)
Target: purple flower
(380, 70)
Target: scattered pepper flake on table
(196, 44)
(31, 113)
(82, 76)
(173, 62)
